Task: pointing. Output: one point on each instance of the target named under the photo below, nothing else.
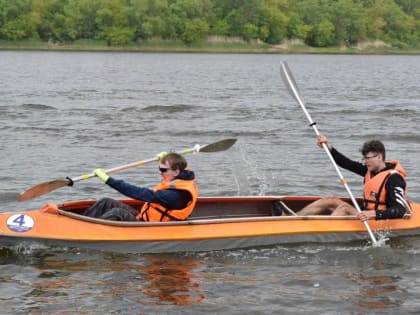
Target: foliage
(195, 31)
(318, 23)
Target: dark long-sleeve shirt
(169, 198)
(395, 186)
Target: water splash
(253, 180)
(28, 248)
(381, 238)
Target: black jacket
(395, 186)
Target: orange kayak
(216, 223)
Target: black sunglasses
(163, 169)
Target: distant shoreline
(206, 47)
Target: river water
(67, 113)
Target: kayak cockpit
(209, 210)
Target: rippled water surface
(65, 114)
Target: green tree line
(318, 23)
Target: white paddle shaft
(287, 75)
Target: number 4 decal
(20, 220)
(20, 223)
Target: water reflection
(380, 285)
(151, 279)
(170, 280)
(74, 280)
(378, 292)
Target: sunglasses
(163, 169)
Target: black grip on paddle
(313, 124)
(70, 181)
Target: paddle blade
(42, 189)
(221, 145)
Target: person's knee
(112, 214)
(340, 210)
(331, 202)
(119, 214)
(329, 197)
(344, 209)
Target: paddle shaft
(287, 75)
(44, 188)
(196, 149)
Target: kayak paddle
(44, 188)
(293, 89)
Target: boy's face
(166, 172)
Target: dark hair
(176, 161)
(373, 146)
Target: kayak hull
(217, 223)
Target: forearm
(346, 163)
(169, 198)
(390, 213)
(132, 191)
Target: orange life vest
(374, 187)
(155, 212)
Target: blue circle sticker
(20, 223)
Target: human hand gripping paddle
(291, 84)
(44, 188)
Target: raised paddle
(44, 188)
(291, 83)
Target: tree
(375, 21)
(123, 21)
(349, 20)
(296, 28)
(400, 28)
(113, 20)
(120, 35)
(250, 31)
(52, 24)
(154, 26)
(221, 27)
(237, 14)
(195, 31)
(15, 19)
(13, 30)
(80, 18)
(306, 17)
(276, 23)
(323, 34)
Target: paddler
(173, 198)
(385, 187)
